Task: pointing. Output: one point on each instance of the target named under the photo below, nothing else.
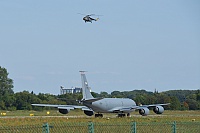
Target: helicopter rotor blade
(86, 14)
(81, 14)
(95, 15)
(91, 15)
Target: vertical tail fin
(85, 88)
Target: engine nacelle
(144, 111)
(88, 113)
(64, 111)
(158, 110)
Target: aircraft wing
(62, 106)
(146, 106)
(128, 109)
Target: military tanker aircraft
(97, 106)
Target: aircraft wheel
(99, 115)
(121, 115)
(128, 114)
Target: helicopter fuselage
(88, 19)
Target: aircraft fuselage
(107, 105)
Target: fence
(95, 127)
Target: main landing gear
(99, 115)
(123, 115)
(119, 115)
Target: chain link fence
(22, 129)
(97, 127)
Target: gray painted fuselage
(111, 105)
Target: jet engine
(158, 110)
(144, 111)
(64, 111)
(88, 113)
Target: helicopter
(88, 18)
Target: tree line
(179, 99)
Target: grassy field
(24, 118)
(77, 121)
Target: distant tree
(95, 94)
(25, 99)
(116, 94)
(198, 95)
(185, 106)
(104, 94)
(180, 94)
(151, 99)
(69, 98)
(193, 104)
(6, 84)
(2, 105)
(140, 99)
(6, 93)
(9, 100)
(155, 91)
(175, 103)
(192, 96)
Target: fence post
(133, 127)
(90, 127)
(174, 127)
(45, 128)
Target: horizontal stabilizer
(92, 100)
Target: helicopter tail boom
(96, 19)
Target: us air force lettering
(97, 106)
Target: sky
(136, 44)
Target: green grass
(77, 121)
(16, 117)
